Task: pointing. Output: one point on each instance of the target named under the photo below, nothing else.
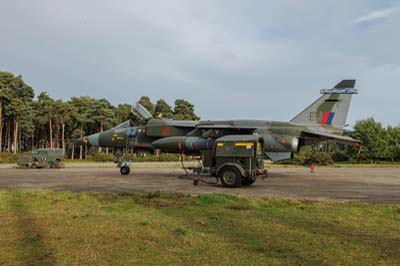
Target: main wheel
(125, 170)
(230, 177)
(247, 181)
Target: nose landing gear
(125, 169)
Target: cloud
(231, 58)
(376, 15)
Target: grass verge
(53, 228)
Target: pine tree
(162, 109)
(184, 110)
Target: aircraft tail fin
(331, 109)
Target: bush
(319, 158)
(340, 157)
(7, 157)
(101, 157)
(307, 157)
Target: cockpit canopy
(125, 124)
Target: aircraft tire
(230, 177)
(125, 170)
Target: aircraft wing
(318, 135)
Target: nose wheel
(125, 170)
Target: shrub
(340, 157)
(319, 158)
(307, 157)
(7, 157)
(101, 157)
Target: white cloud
(376, 15)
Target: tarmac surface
(374, 185)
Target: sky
(232, 59)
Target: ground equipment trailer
(236, 160)
(42, 158)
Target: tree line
(379, 143)
(27, 122)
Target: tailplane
(331, 109)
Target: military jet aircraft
(324, 119)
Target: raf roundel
(166, 131)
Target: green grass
(50, 228)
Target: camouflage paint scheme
(140, 138)
(323, 120)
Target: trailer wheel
(125, 170)
(247, 181)
(230, 177)
(57, 164)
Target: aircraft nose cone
(94, 139)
